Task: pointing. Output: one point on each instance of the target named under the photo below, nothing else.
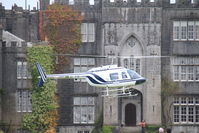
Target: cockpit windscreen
(133, 74)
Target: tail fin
(42, 74)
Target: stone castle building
(160, 36)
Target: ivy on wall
(44, 116)
(62, 30)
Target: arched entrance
(130, 115)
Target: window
(22, 131)
(196, 30)
(191, 30)
(185, 30)
(83, 110)
(91, 2)
(83, 65)
(71, 2)
(186, 69)
(114, 76)
(172, 1)
(139, 0)
(112, 0)
(185, 110)
(176, 30)
(85, 131)
(133, 63)
(152, 0)
(133, 74)
(88, 32)
(24, 100)
(22, 70)
(124, 76)
(131, 42)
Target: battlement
(84, 3)
(148, 3)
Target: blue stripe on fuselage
(98, 77)
(92, 80)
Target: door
(130, 115)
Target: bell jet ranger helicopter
(111, 77)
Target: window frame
(22, 70)
(185, 30)
(23, 100)
(172, 2)
(114, 76)
(88, 32)
(185, 112)
(82, 64)
(185, 69)
(71, 2)
(83, 131)
(92, 2)
(83, 108)
(133, 63)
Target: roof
(9, 38)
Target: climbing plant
(44, 116)
(62, 30)
(169, 88)
(98, 124)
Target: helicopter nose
(140, 81)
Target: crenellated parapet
(15, 44)
(152, 3)
(81, 3)
(131, 3)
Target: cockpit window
(124, 76)
(114, 76)
(133, 74)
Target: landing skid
(119, 95)
(122, 92)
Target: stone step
(130, 130)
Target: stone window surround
(23, 100)
(186, 30)
(185, 69)
(83, 104)
(82, 64)
(88, 32)
(186, 110)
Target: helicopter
(111, 77)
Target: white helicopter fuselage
(109, 76)
(113, 77)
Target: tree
(62, 29)
(169, 88)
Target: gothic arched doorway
(130, 115)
